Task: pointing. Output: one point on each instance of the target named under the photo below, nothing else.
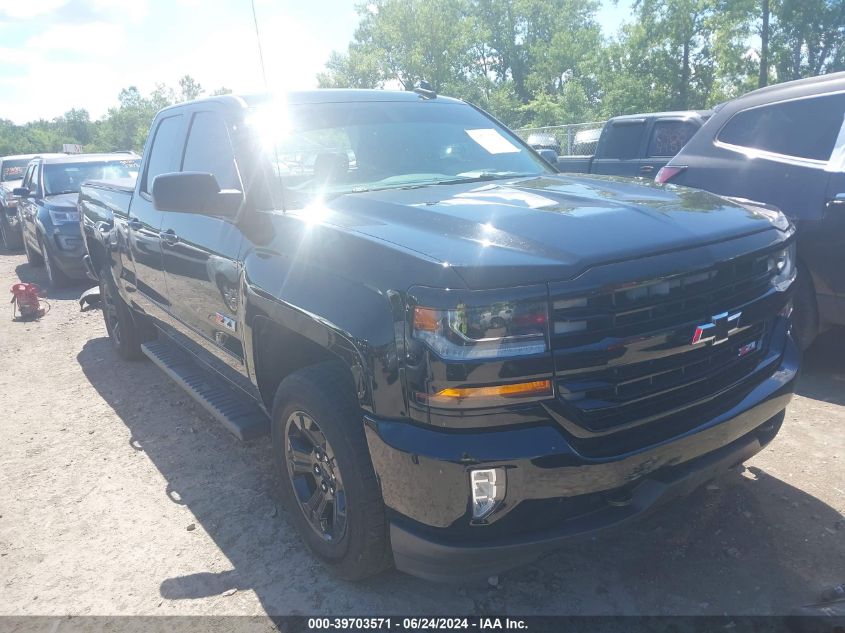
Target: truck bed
(100, 199)
(98, 202)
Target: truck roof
(322, 95)
(59, 159)
(30, 156)
(661, 115)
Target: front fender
(354, 321)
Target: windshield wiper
(60, 193)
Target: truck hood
(513, 232)
(63, 201)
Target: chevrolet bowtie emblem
(718, 330)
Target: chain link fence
(573, 139)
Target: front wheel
(120, 324)
(32, 257)
(57, 278)
(328, 481)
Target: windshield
(68, 177)
(330, 149)
(13, 169)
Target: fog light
(488, 489)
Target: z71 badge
(226, 321)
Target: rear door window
(209, 150)
(624, 139)
(35, 178)
(802, 128)
(669, 137)
(27, 179)
(164, 153)
(13, 170)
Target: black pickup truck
(462, 358)
(637, 144)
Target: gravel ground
(120, 496)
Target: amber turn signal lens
(426, 319)
(456, 394)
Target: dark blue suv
(47, 208)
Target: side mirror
(194, 192)
(21, 192)
(548, 155)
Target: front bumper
(553, 493)
(67, 250)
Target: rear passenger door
(619, 148)
(201, 250)
(666, 138)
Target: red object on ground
(25, 299)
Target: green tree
(500, 54)
(401, 42)
(189, 89)
(76, 127)
(808, 37)
(678, 54)
(539, 45)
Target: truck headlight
(782, 266)
(63, 217)
(499, 330)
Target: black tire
(326, 394)
(11, 241)
(125, 335)
(805, 314)
(56, 276)
(33, 257)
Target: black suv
(463, 358)
(784, 145)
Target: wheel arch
(97, 253)
(280, 348)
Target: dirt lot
(119, 496)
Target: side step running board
(237, 413)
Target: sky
(63, 54)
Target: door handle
(837, 201)
(169, 237)
(134, 224)
(646, 169)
